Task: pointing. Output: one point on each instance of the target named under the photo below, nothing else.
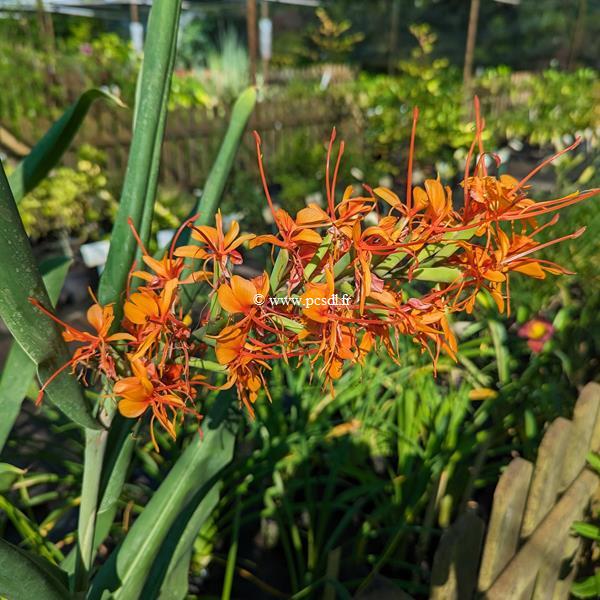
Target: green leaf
(22, 576)
(594, 460)
(217, 178)
(47, 152)
(176, 584)
(191, 478)
(148, 212)
(232, 553)
(588, 588)
(167, 579)
(121, 443)
(319, 255)
(19, 371)
(281, 263)
(37, 335)
(498, 333)
(437, 274)
(587, 530)
(137, 201)
(148, 131)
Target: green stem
(232, 554)
(95, 448)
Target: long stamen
(542, 208)
(178, 234)
(571, 236)
(263, 176)
(468, 163)
(479, 124)
(50, 379)
(136, 236)
(39, 306)
(543, 164)
(327, 167)
(335, 172)
(411, 153)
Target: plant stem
(232, 554)
(95, 448)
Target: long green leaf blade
(47, 152)
(148, 130)
(37, 335)
(217, 178)
(19, 371)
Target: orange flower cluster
(403, 265)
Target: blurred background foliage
(375, 473)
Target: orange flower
(301, 243)
(292, 234)
(214, 245)
(151, 317)
(316, 299)
(168, 267)
(96, 347)
(245, 359)
(141, 392)
(435, 200)
(241, 295)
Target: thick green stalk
(154, 87)
(137, 201)
(232, 554)
(148, 213)
(95, 446)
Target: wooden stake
(470, 49)
(252, 41)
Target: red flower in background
(537, 332)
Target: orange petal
(244, 291)
(206, 235)
(227, 300)
(231, 234)
(532, 269)
(191, 252)
(120, 337)
(420, 198)
(308, 236)
(313, 215)
(389, 196)
(496, 276)
(259, 240)
(240, 241)
(132, 409)
(95, 317)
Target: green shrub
(76, 200)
